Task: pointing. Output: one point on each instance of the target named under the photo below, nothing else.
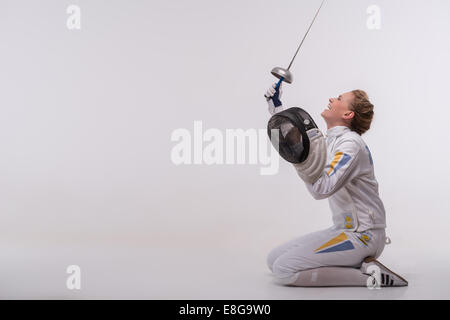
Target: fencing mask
(299, 141)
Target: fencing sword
(285, 74)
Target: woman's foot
(387, 277)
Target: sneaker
(388, 278)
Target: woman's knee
(271, 257)
(283, 267)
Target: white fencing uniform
(325, 248)
(349, 183)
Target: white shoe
(388, 278)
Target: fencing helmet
(299, 141)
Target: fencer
(337, 166)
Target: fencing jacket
(349, 183)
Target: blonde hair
(363, 110)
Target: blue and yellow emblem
(340, 159)
(339, 243)
(364, 238)
(348, 222)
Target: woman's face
(338, 111)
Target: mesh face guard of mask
(292, 142)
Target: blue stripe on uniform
(347, 245)
(370, 155)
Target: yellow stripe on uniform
(338, 239)
(336, 159)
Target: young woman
(344, 254)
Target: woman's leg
(294, 243)
(329, 257)
(328, 277)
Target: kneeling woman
(343, 254)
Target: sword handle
(276, 97)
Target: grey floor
(134, 269)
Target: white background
(86, 118)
